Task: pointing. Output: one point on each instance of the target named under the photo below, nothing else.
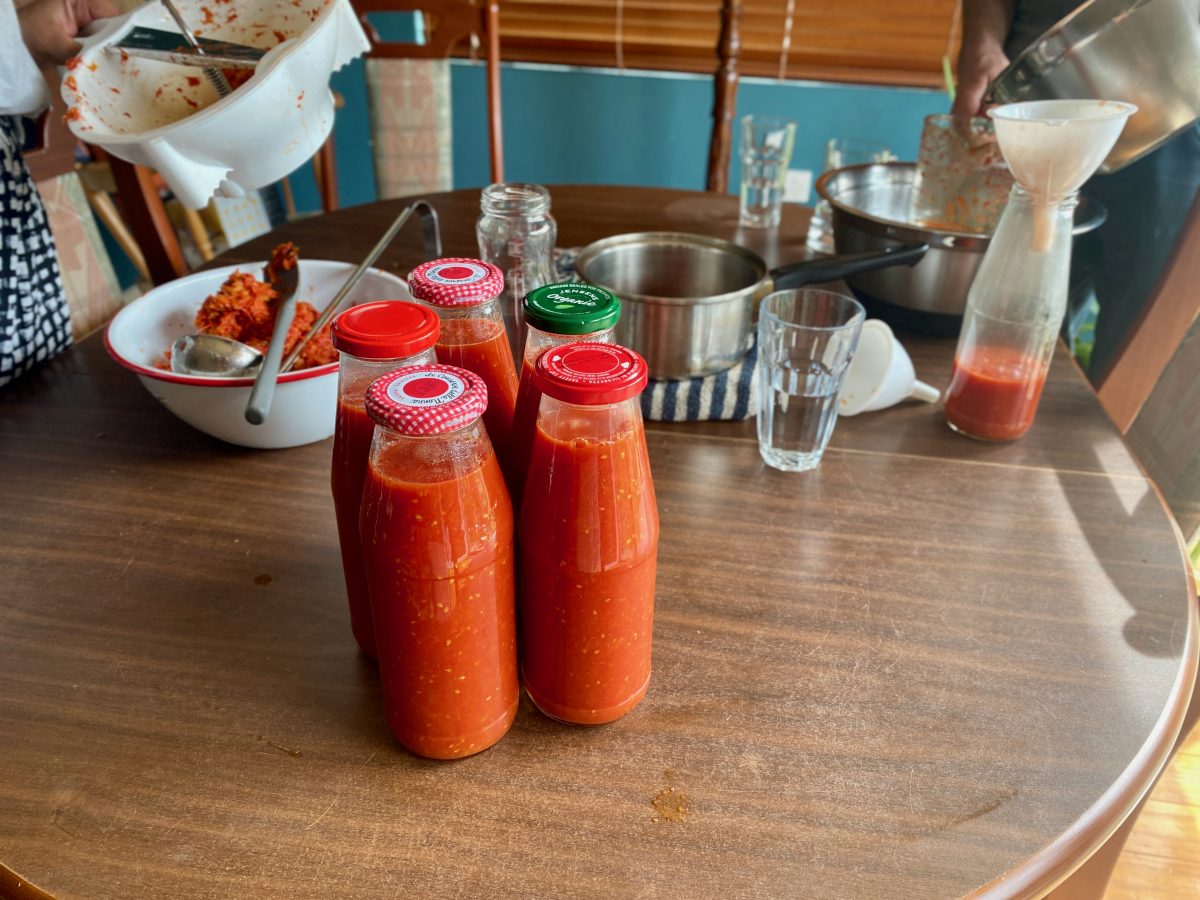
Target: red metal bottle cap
(456, 282)
(427, 399)
(591, 374)
(386, 329)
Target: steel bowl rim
(649, 238)
(892, 228)
(963, 241)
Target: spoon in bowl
(211, 354)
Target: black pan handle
(831, 268)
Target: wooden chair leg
(725, 99)
(199, 232)
(495, 123)
(147, 219)
(325, 171)
(106, 211)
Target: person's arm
(981, 59)
(22, 88)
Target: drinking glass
(839, 153)
(766, 151)
(806, 340)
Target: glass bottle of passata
(437, 535)
(588, 538)
(556, 314)
(1014, 312)
(372, 339)
(466, 293)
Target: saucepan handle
(831, 268)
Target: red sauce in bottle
(481, 346)
(994, 393)
(437, 534)
(351, 446)
(588, 544)
(372, 339)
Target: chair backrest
(725, 87)
(448, 24)
(1164, 323)
(1152, 390)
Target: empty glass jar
(516, 233)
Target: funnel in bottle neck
(1054, 146)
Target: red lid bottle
(437, 534)
(588, 537)
(465, 293)
(372, 340)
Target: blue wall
(566, 125)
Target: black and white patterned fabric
(731, 395)
(34, 321)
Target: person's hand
(978, 67)
(49, 27)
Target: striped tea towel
(731, 395)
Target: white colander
(169, 117)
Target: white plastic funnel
(1054, 146)
(881, 374)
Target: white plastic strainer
(169, 117)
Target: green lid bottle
(571, 308)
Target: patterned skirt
(34, 322)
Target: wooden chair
(729, 48)
(1152, 393)
(448, 23)
(1152, 389)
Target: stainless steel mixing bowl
(1145, 52)
(872, 210)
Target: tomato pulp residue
(244, 309)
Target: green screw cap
(571, 308)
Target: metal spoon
(211, 354)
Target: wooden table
(927, 668)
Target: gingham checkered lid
(591, 374)
(457, 281)
(427, 399)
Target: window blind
(866, 41)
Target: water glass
(839, 153)
(766, 152)
(806, 340)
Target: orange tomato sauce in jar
(437, 536)
(588, 542)
(372, 339)
(994, 393)
(481, 345)
(465, 293)
(555, 314)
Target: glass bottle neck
(514, 200)
(1027, 199)
(488, 309)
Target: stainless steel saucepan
(688, 301)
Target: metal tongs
(432, 235)
(209, 55)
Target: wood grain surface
(928, 668)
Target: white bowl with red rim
(305, 403)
